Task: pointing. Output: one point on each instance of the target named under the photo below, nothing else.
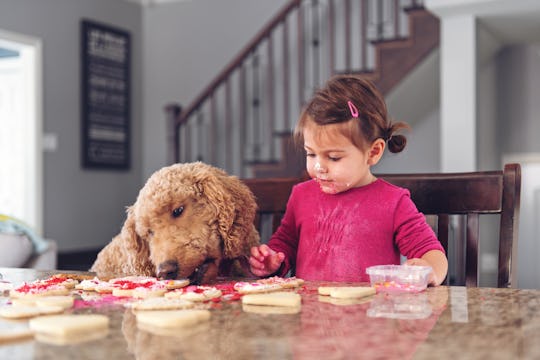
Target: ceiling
(511, 21)
(155, 2)
(514, 28)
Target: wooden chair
(272, 195)
(468, 195)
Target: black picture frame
(105, 96)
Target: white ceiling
(514, 28)
(511, 21)
(155, 2)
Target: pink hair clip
(353, 109)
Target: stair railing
(242, 116)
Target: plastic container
(399, 278)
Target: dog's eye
(178, 211)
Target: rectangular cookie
(69, 325)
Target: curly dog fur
(190, 220)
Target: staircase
(243, 120)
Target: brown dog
(189, 221)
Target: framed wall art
(105, 64)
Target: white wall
(519, 124)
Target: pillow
(15, 250)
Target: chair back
(457, 200)
(271, 195)
(471, 195)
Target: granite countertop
(442, 323)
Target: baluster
(270, 98)
(397, 13)
(301, 49)
(348, 43)
(256, 107)
(187, 142)
(286, 80)
(331, 37)
(315, 42)
(173, 112)
(211, 145)
(242, 118)
(379, 20)
(229, 165)
(200, 135)
(363, 34)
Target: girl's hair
(359, 106)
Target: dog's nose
(168, 270)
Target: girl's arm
(438, 262)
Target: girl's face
(335, 162)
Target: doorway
(529, 219)
(21, 124)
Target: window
(21, 126)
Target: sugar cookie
(281, 298)
(21, 312)
(195, 293)
(69, 325)
(347, 292)
(284, 283)
(255, 287)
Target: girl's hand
(264, 261)
(421, 262)
(438, 262)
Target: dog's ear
(235, 206)
(136, 247)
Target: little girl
(345, 219)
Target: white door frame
(528, 247)
(30, 49)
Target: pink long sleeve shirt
(335, 237)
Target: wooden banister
(244, 116)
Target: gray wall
(186, 45)
(416, 101)
(83, 209)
